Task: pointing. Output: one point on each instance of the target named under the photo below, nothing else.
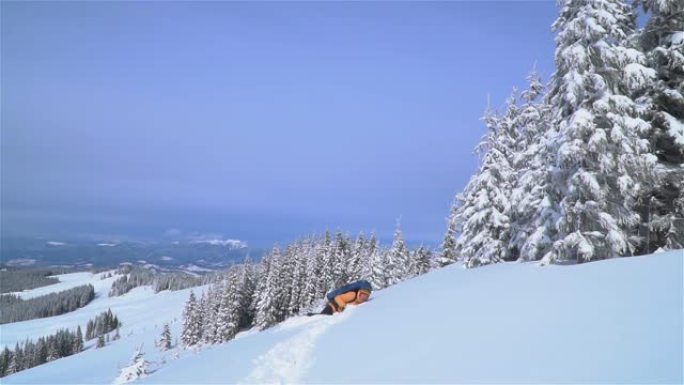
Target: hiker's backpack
(354, 286)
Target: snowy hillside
(613, 321)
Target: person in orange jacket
(353, 293)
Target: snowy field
(66, 281)
(615, 321)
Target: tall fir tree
(267, 303)
(165, 338)
(662, 39)
(313, 271)
(192, 322)
(534, 208)
(483, 215)
(398, 264)
(448, 254)
(78, 341)
(602, 164)
(326, 279)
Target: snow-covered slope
(613, 321)
(141, 311)
(67, 281)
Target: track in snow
(287, 361)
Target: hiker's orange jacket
(344, 299)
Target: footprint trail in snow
(287, 361)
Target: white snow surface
(68, 281)
(614, 321)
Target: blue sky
(260, 121)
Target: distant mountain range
(201, 255)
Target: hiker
(353, 293)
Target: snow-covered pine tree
(482, 217)
(340, 258)
(284, 266)
(90, 330)
(447, 254)
(138, 368)
(12, 365)
(326, 278)
(397, 260)
(313, 269)
(78, 341)
(228, 316)
(5, 358)
(247, 288)
(422, 261)
(52, 351)
(534, 208)
(662, 39)
(369, 250)
(267, 302)
(296, 278)
(601, 163)
(355, 259)
(100, 341)
(192, 324)
(208, 308)
(165, 338)
(380, 269)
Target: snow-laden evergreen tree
(326, 279)
(369, 252)
(283, 280)
(165, 338)
(482, 216)
(261, 273)
(267, 311)
(78, 341)
(534, 208)
(228, 317)
(247, 286)
(295, 280)
(602, 163)
(397, 261)
(12, 366)
(192, 322)
(380, 269)
(100, 342)
(356, 258)
(313, 271)
(209, 305)
(5, 358)
(138, 368)
(448, 255)
(662, 39)
(422, 261)
(52, 350)
(341, 253)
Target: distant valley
(191, 256)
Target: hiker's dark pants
(327, 310)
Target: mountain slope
(612, 321)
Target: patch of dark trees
(15, 309)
